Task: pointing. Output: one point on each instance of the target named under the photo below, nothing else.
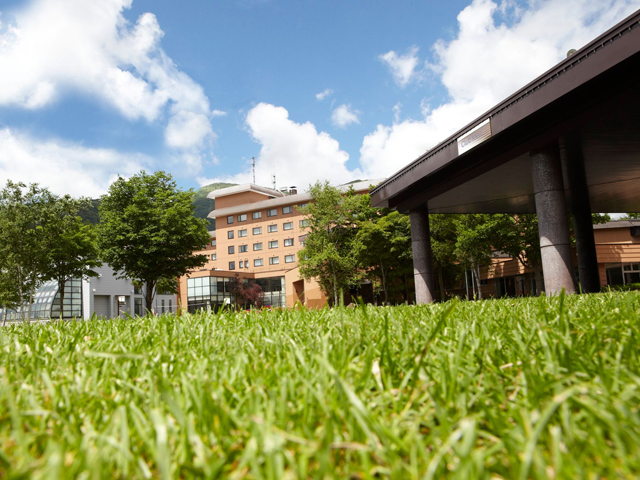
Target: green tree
(383, 250)
(328, 254)
(148, 231)
(476, 238)
(71, 244)
(443, 231)
(23, 244)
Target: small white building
(104, 296)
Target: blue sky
(90, 89)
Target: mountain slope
(202, 204)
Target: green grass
(527, 388)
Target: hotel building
(259, 232)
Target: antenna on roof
(253, 163)
(273, 180)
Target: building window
(213, 243)
(256, 215)
(243, 248)
(170, 306)
(257, 246)
(231, 249)
(302, 205)
(246, 264)
(242, 233)
(288, 226)
(273, 244)
(289, 258)
(622, 274)
(257, 231)
(274, 260)
(137, 306)
(161, 306)
(272, 228)
(257, 262)
(272, 212)
(242, 217)
(287, 210)
(232, 265)
(137, 290)
(288, 242)
(304, 223)
(241, 264)
(214, 256)
(230, 234)
(229, 219)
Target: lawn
(514, 388)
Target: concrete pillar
(422, 263)
(571, 152)
(555, 244)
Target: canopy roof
(591, 97)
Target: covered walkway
(569, 141)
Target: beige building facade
(618, 253)
(259, 232)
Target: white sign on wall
(474, 137)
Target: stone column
(555, 244)
(422, 263)
(571, 151)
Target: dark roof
(550, 105)
(618, 224)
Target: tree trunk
(61, 285)
(537, 271)
(384, 284)
(476, 274)
(335, 291)
(149, 294)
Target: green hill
(203, 205)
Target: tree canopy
(148, 231)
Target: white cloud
(403, 67)
(218, 113)
(486, 62)
(297, 153)
(63, 167)
(343, 116)
(87, 46)
(324, 94)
